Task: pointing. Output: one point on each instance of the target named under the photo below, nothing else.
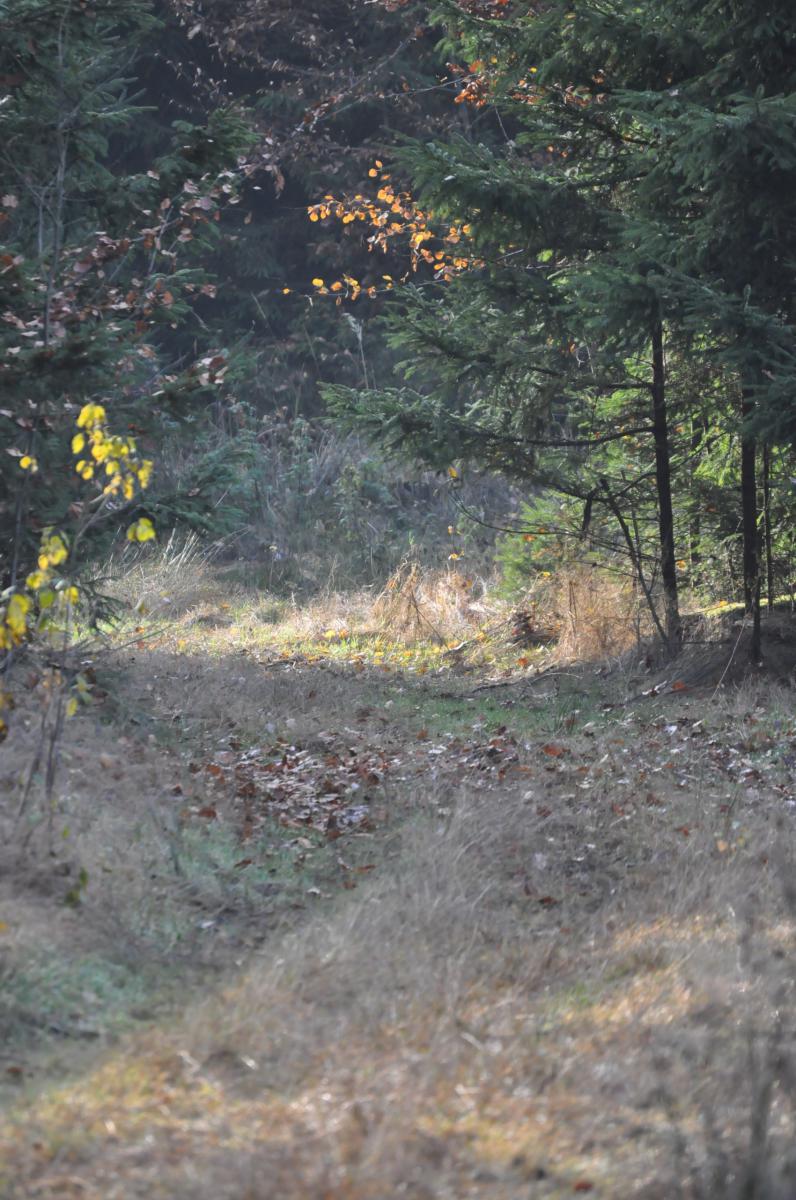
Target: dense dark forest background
(550, 243)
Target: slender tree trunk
(751, 556)
(698, 432)
(767, 526)
(635, 557)
(663, 476)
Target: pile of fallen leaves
(336, 785)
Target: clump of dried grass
(163, 580)
(342, 612)
(597, 615)
(418, 605)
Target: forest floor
(318, 915)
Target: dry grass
(585, 615)
(598, 616)
(572, 976)
(444, 606)
(552, 962)
(164, 583)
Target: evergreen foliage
(101, 266)
(634, 223)
(617, 335)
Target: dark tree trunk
(663, 476)
(767, 526)
(751, 556)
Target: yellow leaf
(71, 706)
(53, 551)
(318, 283)
(454, 474)
(78, 442)
(142, 531)
(16, 615)
(91, 415)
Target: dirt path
(338, 933)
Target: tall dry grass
(441, 606)
(535, 990)
(164, 580)
(597, 615)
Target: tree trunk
(751, 557)
(768, 532)
(635, 556)
(663, 477)
(699, 429)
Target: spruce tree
(96, 274)
(637, 207)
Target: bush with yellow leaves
(45, 602)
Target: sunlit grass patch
(346, 638)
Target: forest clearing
(397, 599)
